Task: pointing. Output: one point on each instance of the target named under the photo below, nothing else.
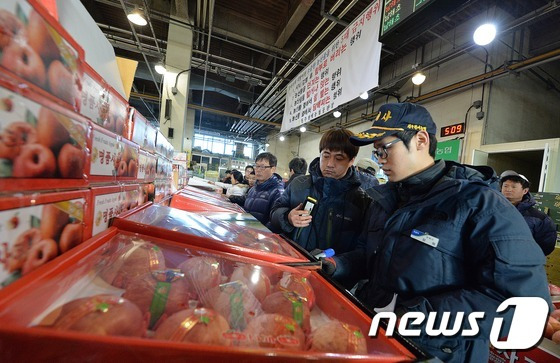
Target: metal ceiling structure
(245, 51)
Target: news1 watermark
(526, 329)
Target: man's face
(251, 178)
(396, 160)
(513, 191)
(334, 164)
(248, 170)
(263, 170)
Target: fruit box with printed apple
(42, 144)
(103, 303)
(107, 202)
(36, 228)
(143, 133)
(34, 47)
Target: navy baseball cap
(396, 117)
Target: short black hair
(249, 166)
(339, 140)
(298, 165)
(272, 160)
(516, 179)
(237, 176)
(228, 171)
(406, 136)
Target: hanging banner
(345, 69)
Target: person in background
(268, 187)
(340, 204)
(298, 167)
(236, 188)
(248, 171)
(439, 239)
(227, 178)
(240, 200)
(367, 169)
(515, 187)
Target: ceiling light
(418, 78)
(484, 34)
(302, 129)
(160, 68)
(337, 113)
(364, 96)
(267, 144)
(282, 138)
(137, 17)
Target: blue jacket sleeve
(546, 235)
(279, 213)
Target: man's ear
(525, 191)
(352, 161)
(422, 140)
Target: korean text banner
(348, 67)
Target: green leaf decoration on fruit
(5, 168)
(30, 118)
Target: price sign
(453, 129)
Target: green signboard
(448, 150)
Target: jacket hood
(349, 181)
(472, 173)
(527, 202)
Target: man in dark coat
(340, 204)
(298, 167)
(439, 237)
(515, 187)
(268, 187)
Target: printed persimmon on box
(214, 306)
(126, 161)
(38, 227)
(146, 166)
(163, 146)
(37, 49)
(144, 134)
(42, 144)
(118, 121)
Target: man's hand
(328, 263)
(299, 217)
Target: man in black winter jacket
(439, 239)
(340, 204)
(515, 187)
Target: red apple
(71, 160)
(40, 39)
(34, 161)
(14, 137)
(50, 131)
(39, 254)
(61, 82)
(10, 27)
(25, 62)
(53, 221)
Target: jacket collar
(333, 186)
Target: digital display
(453, 129)
(396, 11)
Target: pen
(329, 252)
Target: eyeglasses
(262, 167)
(381, 152)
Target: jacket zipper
(329, 227)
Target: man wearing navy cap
(440, 237)
(515, 187)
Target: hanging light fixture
(484, 34)
(302, 129)
(364, 96)
(267, 144)
(137, 17)
(160, 68)
(418, 78)
(337, 113)
(282, 138)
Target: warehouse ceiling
(258, 46)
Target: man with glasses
(439, 237)
(333, 185)
(268, 187)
